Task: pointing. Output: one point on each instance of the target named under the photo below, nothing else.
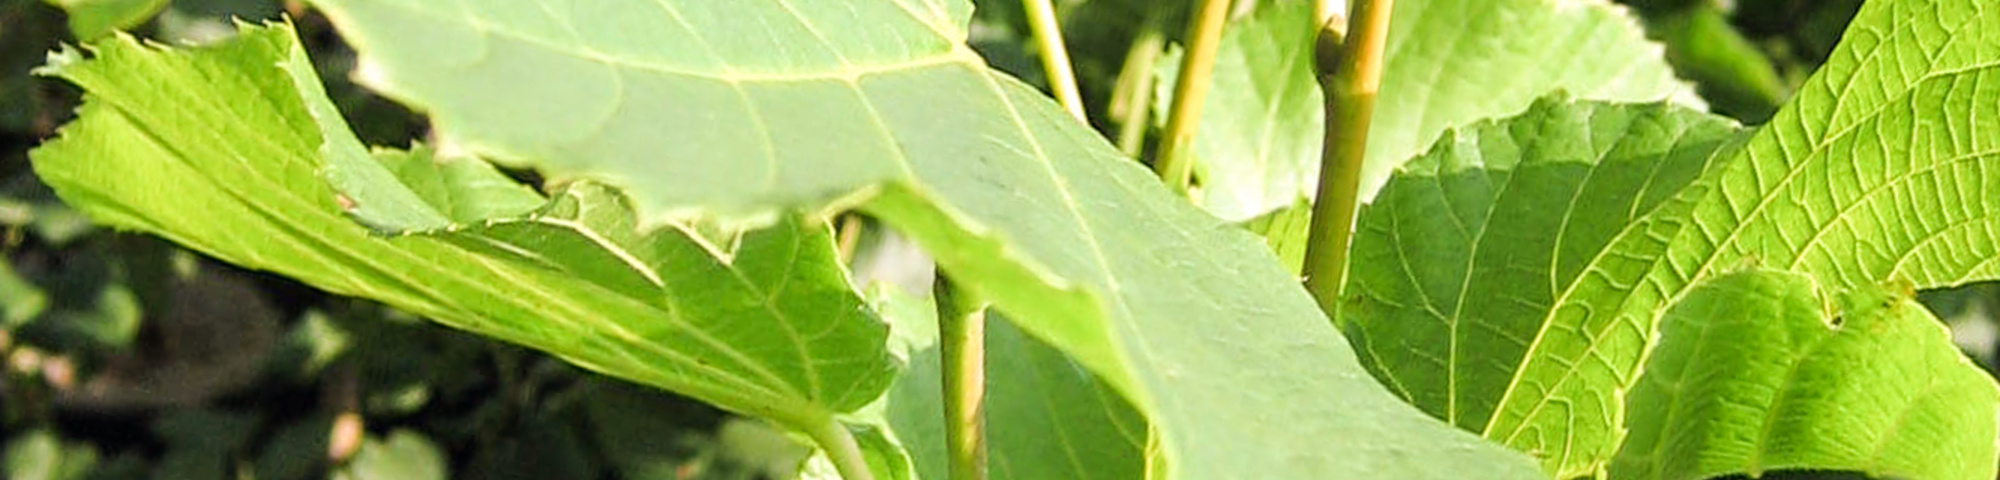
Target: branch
(1354, 76)
(961, 343)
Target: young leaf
(1753, 374)
(1880, 170)
(1448, 64)
(740, 107)
(221, 149)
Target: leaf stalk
(1175, 164)
(961, 343)
(1055, 56)
(840, 447)
(1351, 75)
(1132, 102)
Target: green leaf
(221, 149)
(1457, 263)
(405, 455)
(425, 192)
(1753, 373)
(1734, 75)
(1448, 64)
(1046, 417)
(90, 19)
(201, 443)
(1880, 170)
(40, 455)
(20, 301)
(877, 101)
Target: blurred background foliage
(128, 358)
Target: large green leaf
(1457, 263)
(739, 107)
(1046, 418)
(221, 149)
(1449, 63)
(1881, 169)
(1753, 374)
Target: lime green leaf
(221, 149)
(1449, 63)
(745, 107)
(90, 19)
(1457, 263)
(442, 191)
(1753, 373)
(1880, 170)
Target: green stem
(1132, 102)
(1175, 166)
(1055, 56)
(1350, 86)
(961, 343)
(841, 449)
(848, 237)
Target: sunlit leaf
(1754, 372)
(706, 108)
(222, 149)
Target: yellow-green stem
(1055, 56)
(1132, 102)
(1175, 164)
(841, 449)
(1350, 87)
(961, 343)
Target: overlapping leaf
(1753, 374)
(1449, 63)
(1881, 169)
(1462, 256)
(742, 107)
(221, 149)
(1046, 417)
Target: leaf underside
(1186, 316)
(221, 149)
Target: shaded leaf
(405, 455)
(20, 301)
(1447, 64)
(90, 19)
(40, 455)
